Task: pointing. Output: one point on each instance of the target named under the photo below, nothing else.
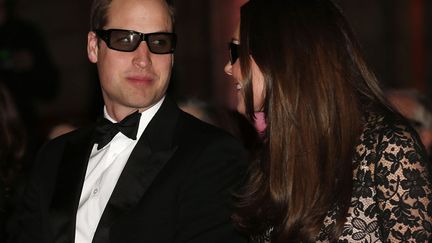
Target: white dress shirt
(103, 171)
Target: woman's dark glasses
(234, 52)
(129, 40)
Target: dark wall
(384, 29)
(64, 24)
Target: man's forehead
(135, 9)
(161, 5)
(140, 15)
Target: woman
(337, 163)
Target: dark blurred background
(44, 65)
(395, 35)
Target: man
(171, 182)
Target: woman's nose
(228, 68)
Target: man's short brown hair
(99, 9)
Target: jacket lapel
(154, 149)
(67, 192)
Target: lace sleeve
(403, 184)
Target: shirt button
(95, 191)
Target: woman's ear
(92, 47)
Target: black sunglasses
(129, 40)
(234, 52)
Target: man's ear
(92, 47)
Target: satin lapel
(152, 152)
(70, 178)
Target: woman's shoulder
(391, 146)
(389, 128)
(391, 142)
(393, 175)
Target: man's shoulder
(198, 138)
(192, 127)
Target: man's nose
(142, 56)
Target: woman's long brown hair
(317, 89)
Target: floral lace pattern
(392, 188)
(392, 198)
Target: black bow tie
(106, 130)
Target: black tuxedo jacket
(176, 186)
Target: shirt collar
(145, 119)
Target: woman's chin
(241, 108)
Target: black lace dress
(392, 187)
